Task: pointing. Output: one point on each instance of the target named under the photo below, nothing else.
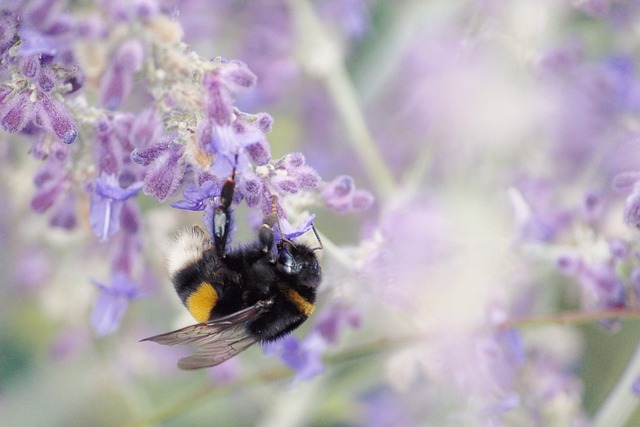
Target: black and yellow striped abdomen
(201, 301)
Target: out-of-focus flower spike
(45, 197)
(333, 320)
(107, 153)
(593, 205)
(128, 246)
(42, 11)
(218, 102)
(115, 86)
(112, 302)
(362, 200)
(304, 357)
(64, 215)
(632, 209)
(342, 196)
(624, 182)
(130, 217)
(118, 80)
(146, 9)
(145, 130)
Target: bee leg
(265, 234)
(222, 216)
(265, 237)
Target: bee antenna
(317, 237)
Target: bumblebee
(255, 293)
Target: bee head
(299, 263)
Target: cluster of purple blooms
(188, 136)
(121, 115)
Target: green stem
(320, 55)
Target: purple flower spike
(8, 29)
(106, 205)
(632, 209)
(237, 76)
(16, 112)
(624, 182)
(45, 197)
(65, 214)
(335, 319)
(147, 156)
(53, 117)
(196, 196)
(112, 303)
(294, 164)
(593, 205)
(36, 43)
(342, 196)
(259, 152)
(303, 356)
(218, 102)
(253, 190)
(118, 79)
(165, 173)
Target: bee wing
(216, 340)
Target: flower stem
(572, 317)
(320, 54)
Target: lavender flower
(107, 198)
(342, 196)
(118, 80)
(165, 171)
(304, 356)
(112, 303)
(195, 197)
(29, 97)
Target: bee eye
(287, 264)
